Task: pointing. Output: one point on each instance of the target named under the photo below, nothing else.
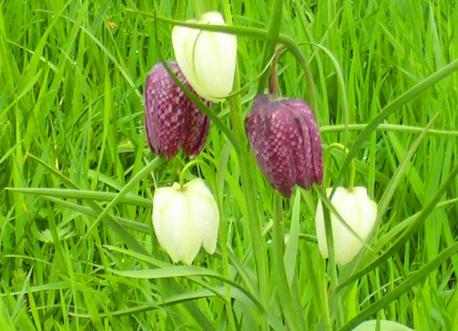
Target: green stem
(232, 325)
(273, 81)
(388, 127)
(341, 147)
(320, 292)
(186, 168)
(334, 300)
(272, 35)
(293, 320)
(250, 199)
(247, 176)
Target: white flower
(358, 211)
(207, 59)
(185, 219)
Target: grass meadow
(77, 246)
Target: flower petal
(206, 58)
(358, 211)
(173, 226)
(214, 60)
(183, 40)
(204, 213)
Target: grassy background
(71, 117)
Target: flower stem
(272, 35)
(334, 296)
(246, 174)
(250, 199)
(273, 81)
(352, 164)
(290, 309)
(186, 168)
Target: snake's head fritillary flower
(285, 140)
(358, 211)
(206, 58)
(184, 219)
(172, 121)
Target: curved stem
(341, 147)
(273, 81)
(186, 168)
(272, 35)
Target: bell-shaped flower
(286, 142)
(172, 121)
(206, 58)
(184, 219)
(359, 213)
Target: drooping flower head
(286, 142)
(184, 219)
(206, 58)
(172, 121)
(358, 211)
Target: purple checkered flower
(286, 143)
(172, 121)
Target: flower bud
(358, 211)
(206, 58)
(286, 142)
(185, 218)
(172, 121)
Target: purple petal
(172, 121)
(285, 141)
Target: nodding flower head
(184, 219)
(172, 121)
(360, 214)
(207, 58)
(285, 141)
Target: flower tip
(212, 17)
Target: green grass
(77, 249)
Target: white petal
(346, 245)
(320, 230)
(214, 61)
(183, 40)
(172, 225)
(204, 213)
(367, 211)
(207, 59)
(358, 211)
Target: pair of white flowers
(186, 218)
